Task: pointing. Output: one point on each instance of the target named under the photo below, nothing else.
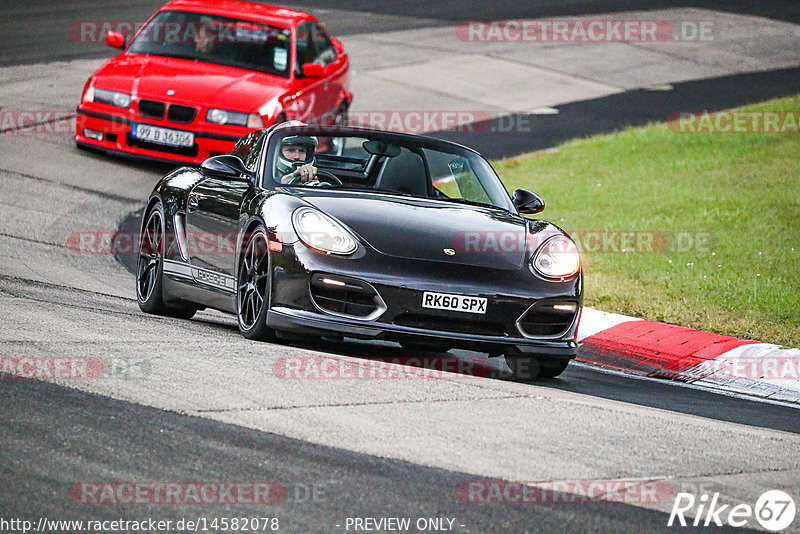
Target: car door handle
(325, 85)
(192, 203)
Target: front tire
(527, 368)
(552, 368)
(253, 287)
(150, 269)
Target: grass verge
(720, 211)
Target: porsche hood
(420, 229)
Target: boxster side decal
(202, 276)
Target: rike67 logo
(774, 510)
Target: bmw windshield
(215, 39)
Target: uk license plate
(162, 136)
(462, 303)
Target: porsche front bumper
(315, 323)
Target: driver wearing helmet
(295, 161)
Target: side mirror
(313, 70)
(527, 203)
(226, 166)
(115, 39)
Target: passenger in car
(206, 39)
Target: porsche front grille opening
(447, 324)
(346, 296)
(152, 109)
(178, 113)
(547, 319)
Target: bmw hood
(202, 84)
(421, 229)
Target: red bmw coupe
(200, 74)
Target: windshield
(215, 39)
(389, 165)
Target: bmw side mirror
(115, 39)
(527, 203)
(313, 70)
(227, 166)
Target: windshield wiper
(179, 56)
(165, 54)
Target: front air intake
(547, 318)
(347, 297)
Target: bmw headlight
(223, 116)
(321, 232)
(114, 98)
(558, 257)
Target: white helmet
(309, 142)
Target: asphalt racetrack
(192, 402)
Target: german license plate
(462, 303)
(162, 136)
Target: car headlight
(321, 232)
(223, 116)
(558, 257)
(113, 98)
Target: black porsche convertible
(397, 237)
